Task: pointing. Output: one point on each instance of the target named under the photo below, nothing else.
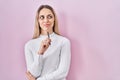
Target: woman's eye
(49, 16)
(41, 17)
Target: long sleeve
(34, 64)
(63, 68)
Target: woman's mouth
(47, 25)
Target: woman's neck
(45, 32)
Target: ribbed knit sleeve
(34, 64)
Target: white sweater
(54, 63)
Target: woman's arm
(34, 64)
(64, 65)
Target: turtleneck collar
(52, 34)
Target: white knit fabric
(54, 63)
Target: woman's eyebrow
(49, 14)
(41, 15)
(44, 15)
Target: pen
(48, 36)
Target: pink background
(93, 26)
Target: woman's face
(46, 20)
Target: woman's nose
(46, 20)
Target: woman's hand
(44, 46)
(30, 76)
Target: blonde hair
(37, 29)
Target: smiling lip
(47, 25)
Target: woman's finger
(49, 41)
(29, 74)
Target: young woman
(48, 54)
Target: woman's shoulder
(30, 42)
(64, 39)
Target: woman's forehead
(45, 11)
